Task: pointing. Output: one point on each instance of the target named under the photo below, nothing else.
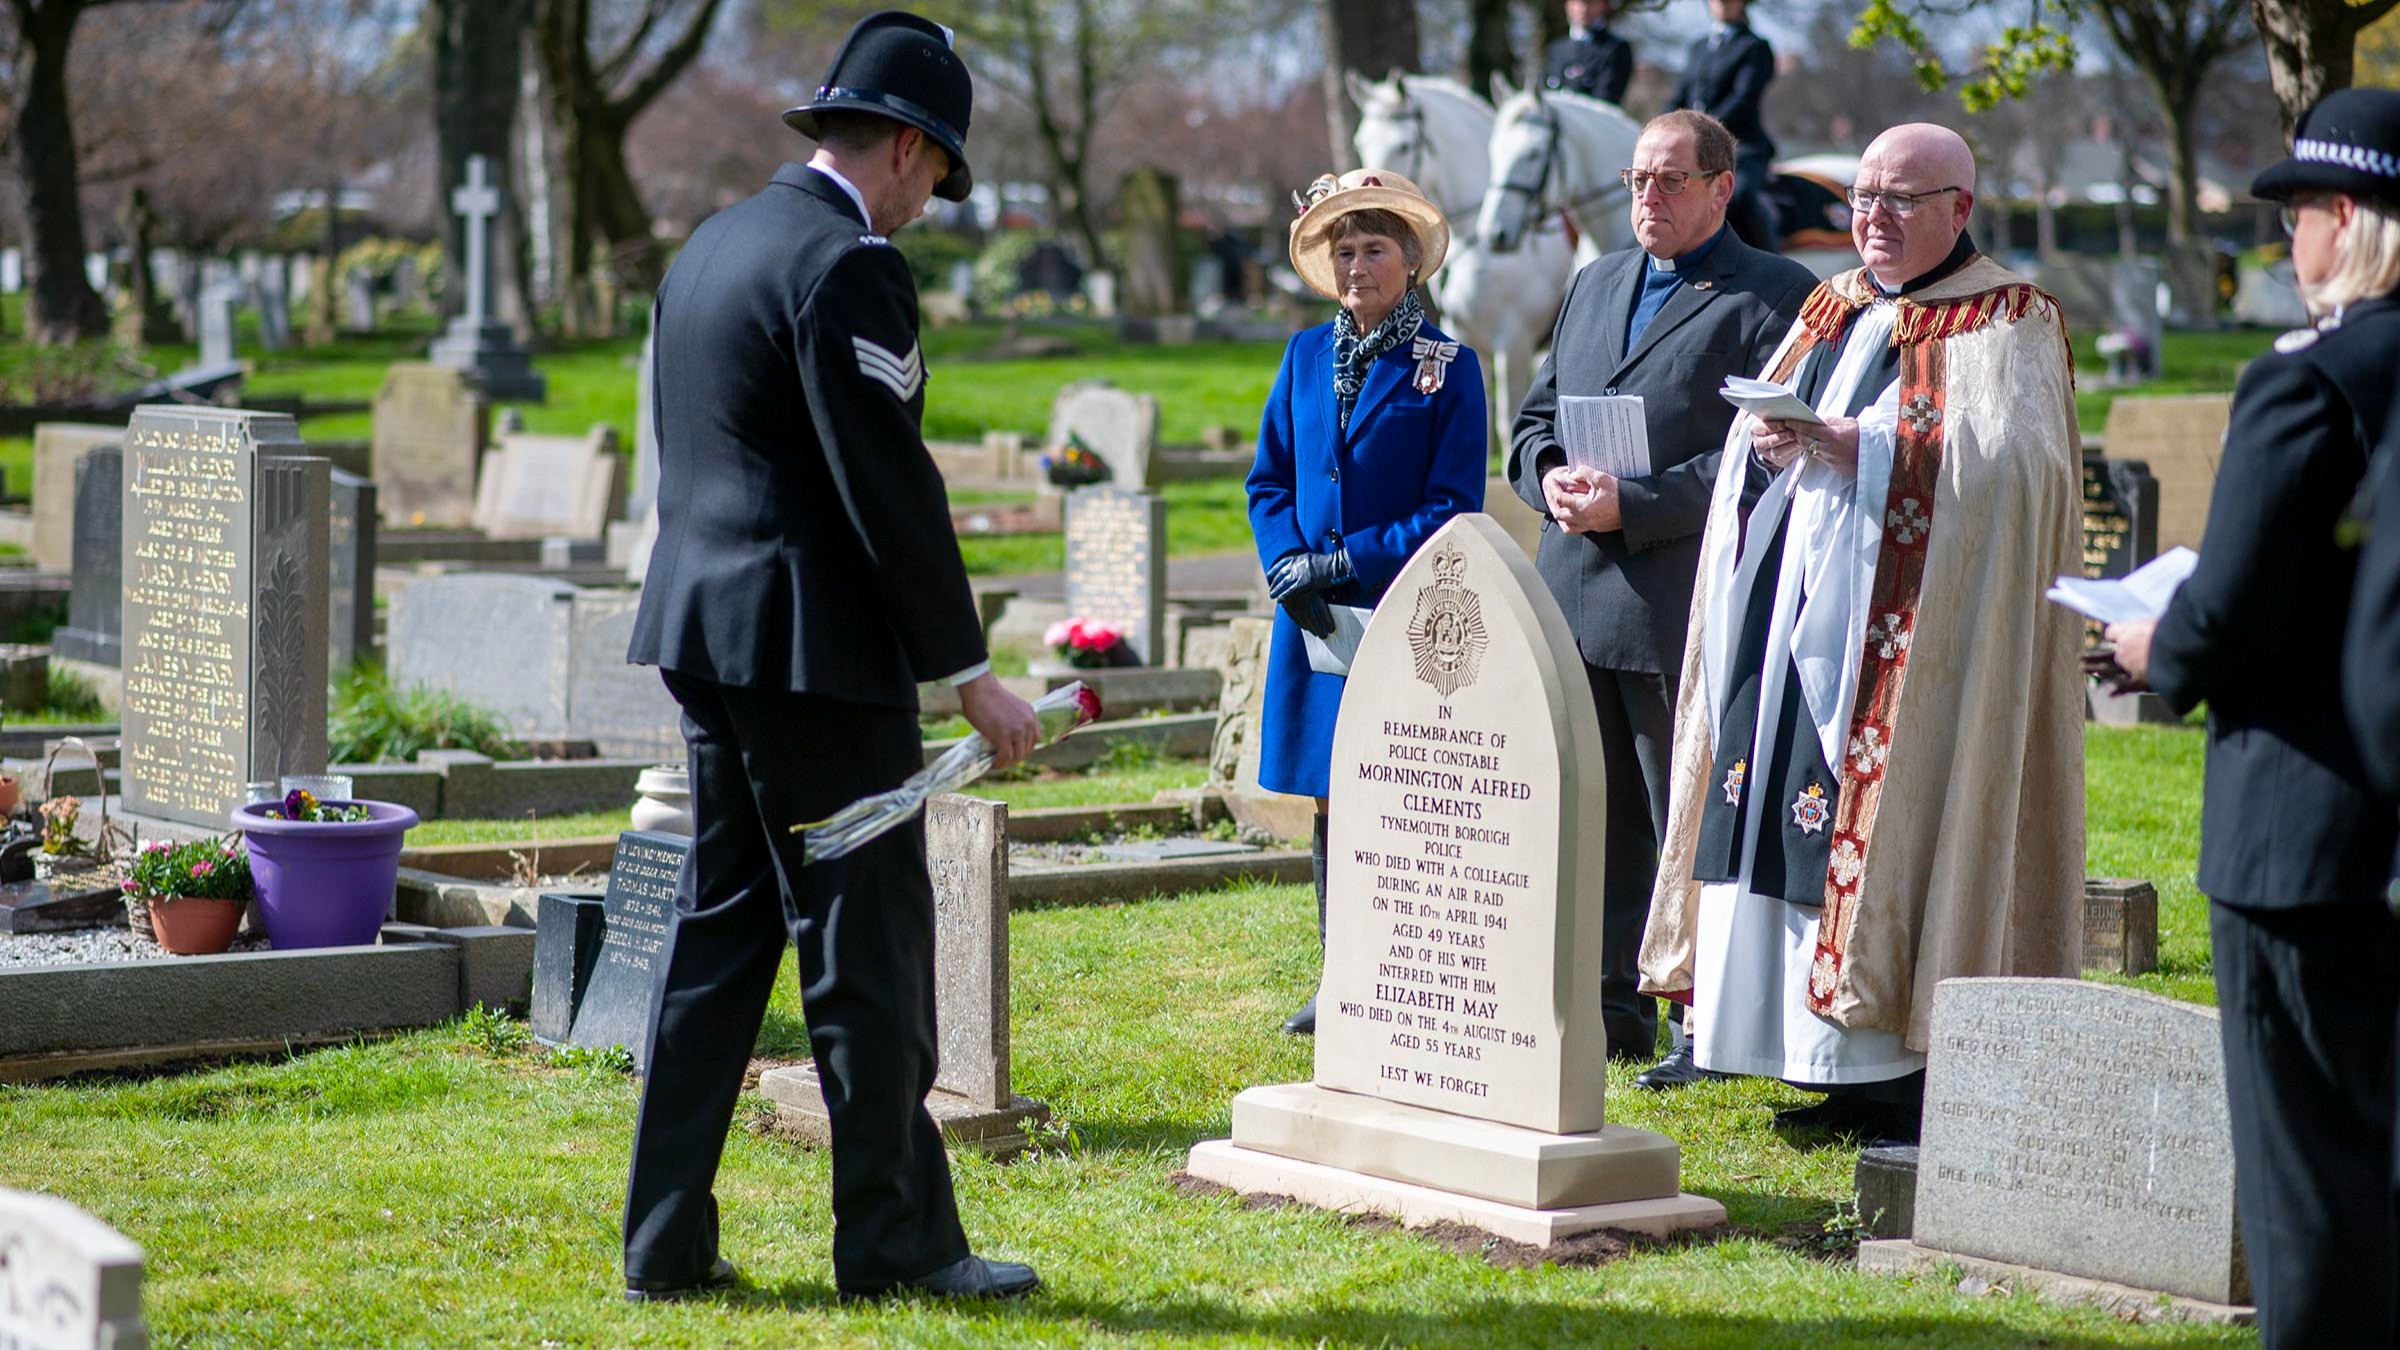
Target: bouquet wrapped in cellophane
(1060, 711)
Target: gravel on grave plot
(92, 946)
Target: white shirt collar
(857, 198)
(1582, 34)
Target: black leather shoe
(1674, 1071)
(721, 1276)
(1856, 1114)
(972, 1277)
(1303, 1022)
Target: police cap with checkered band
(901, 66)
(2349, 143)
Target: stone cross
(477, 202)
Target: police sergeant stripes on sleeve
(903, 375)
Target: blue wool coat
(1410, 462)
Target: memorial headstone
(350, 583)
(224, 609)
(610, 962)
(645, 437)
(12, 271)
(404, 283)
(1117, 564)
(2120, 925)
(57, 448)
(2180, 437)
(358, 294)
(1459, 1048)
(430, 423)
(565, 674)
(551, 487)
(271, 295)
(1121, 428)
(95, 598)
(476, 342)
(67, 1280)
(217, 304)
(2133, 314)
(2126, 1177)
(2120, 516)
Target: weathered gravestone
(595, 959)
(2120, 533)
(1117, 564)
(358, 294)
(966, 850)
(2179, 437)
(1460, 1058)
(2120, 925)
(225, 616)
(1120, 428)
(2133, 313)
(350, 584)
(57, 448)
(551, 487)
(96, 598)
(2077, 1130)
(67, 1280)
(12, 271)
(1234, 750)
(476, 342)
(428, 445)
(217, 304)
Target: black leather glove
(1309, 610)
(1300, 571)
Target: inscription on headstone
(2120, 926)
(428, 444)
(1117, 564)
(67, 1280)
(614, 1007)
(2120, 516)
(350, 585)
(96, 598)
(224, 561)
(2080, 1128)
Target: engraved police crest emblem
(1446, 633)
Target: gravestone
(2120, 516)
(2180, 437)
(1117, 564)
(57, 448)
(1234, 749)
(95, 598)
(217, 304)
(350, 583)
(146, 319)
(1120, 428)
(966, 852)
(1150, 207)
(61, 905)
(67, 1280)
(476, 342)
(565, 674)
(224, 614)
(611, 960)
(12, 271)
(1460, 1057)
(271, 295)
(2120, 925)
(551, 487)
(2133, 310)
(358, 295)
(428, 446)
(2079, 1129)
(645, 436)
(404, 283)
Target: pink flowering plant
(1085, 643)
(199, 869)
(300, 804)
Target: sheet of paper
(1767, 399)
(2142, 593)
(1333, 655)
(1606, 433)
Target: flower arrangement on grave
(189, 894)
(1074, 464)
(301, 804)
(1086, 644)
(59, 815)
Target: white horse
(1551, 153)
(1437, 133)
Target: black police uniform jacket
(1598, 65)
(1728, 82)
(804, 539)
(2288, 818)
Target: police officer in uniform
(2296, 842)
(1725, 74)
(805, 581)
(1589, 60)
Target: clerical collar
(1685, 262)
(1961, 253)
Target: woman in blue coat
(1374, 435)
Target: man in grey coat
(1667, 321)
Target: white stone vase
(664, 803)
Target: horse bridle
(1412, 116)
(1536, 193)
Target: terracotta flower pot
(10, 793)
(194, 927)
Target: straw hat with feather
(1330, 198)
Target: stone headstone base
(1279, 815)
(1254, 1173)
(1887, 1190)
(2130, 710)
(1899, 1256)
(999, 1134)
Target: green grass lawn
(2189, 363)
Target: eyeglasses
(2290, 213)
(1671, 182)
(1902, 205)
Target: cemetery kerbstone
(1120, 428)
(551, 487)
(224, 612)
(2080, 1128)
(1117, 564)
(2180, 437)
(350, 580)
(2120, 925)
(1459, 1049)
(58, 447)
(67, 1280)
(428, 445)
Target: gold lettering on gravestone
(182, 669)
(2105, 526)
(643, 884)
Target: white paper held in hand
(1605, 433)
(1768, 401)
(2142, 593)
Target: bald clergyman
(1878, 765)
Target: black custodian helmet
(2348, 142)
(899, 65)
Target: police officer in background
(1725, 74)
(806, 580)
(1589, 60)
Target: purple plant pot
(324, 883)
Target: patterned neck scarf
(1353, 355)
